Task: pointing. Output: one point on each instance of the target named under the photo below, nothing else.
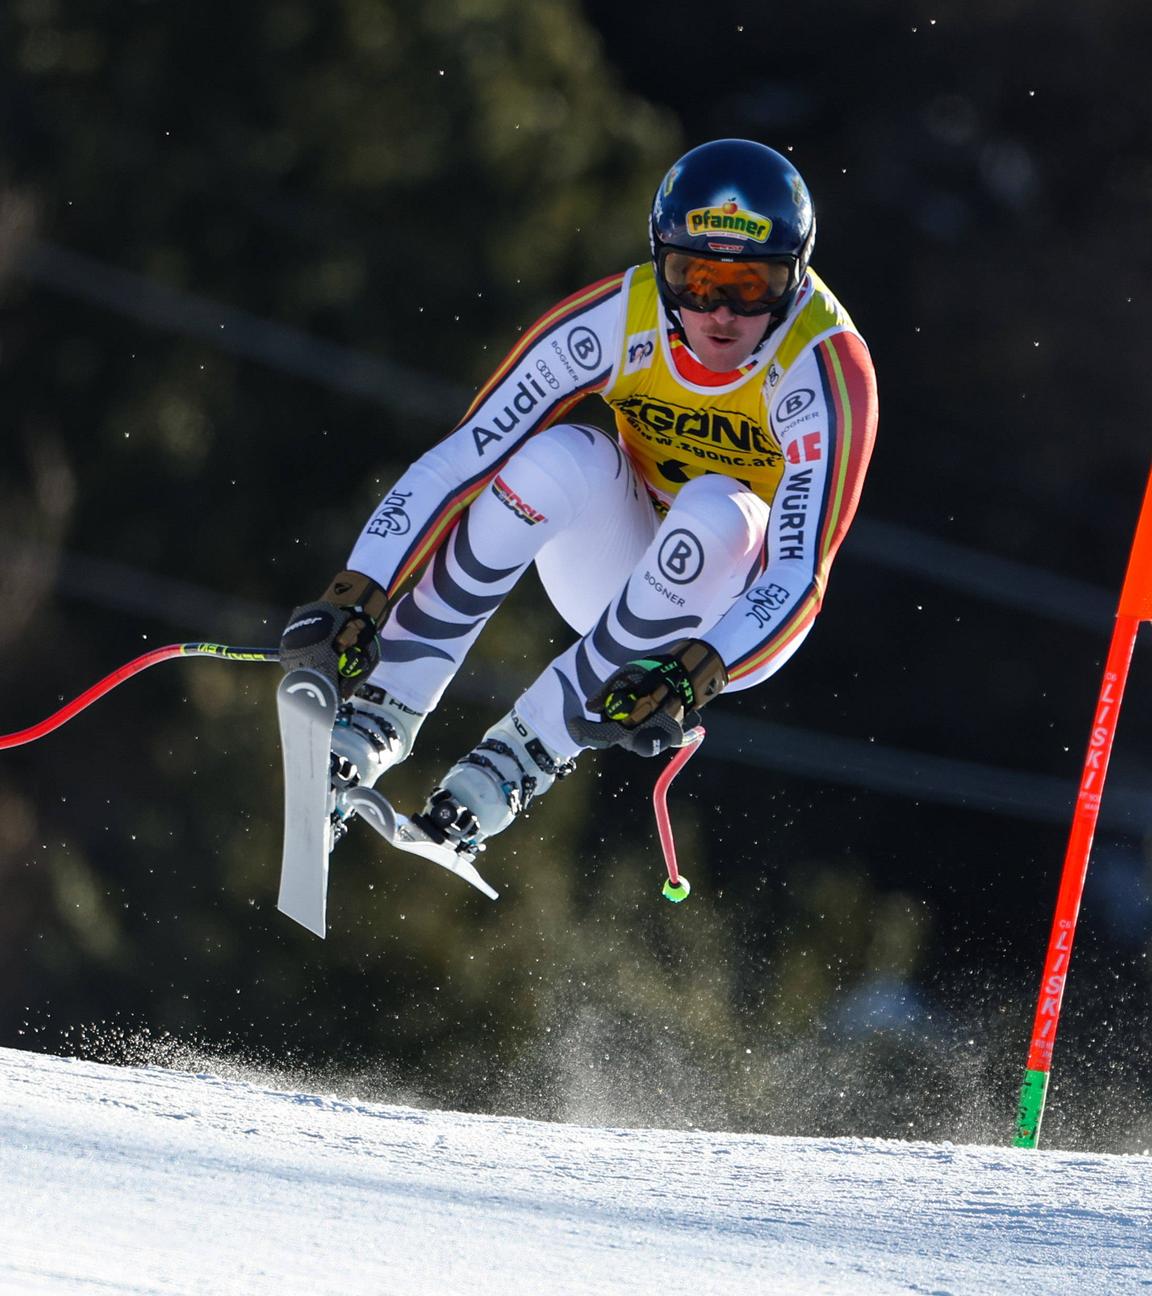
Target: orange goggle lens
(747, 287)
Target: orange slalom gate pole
(1135, 607)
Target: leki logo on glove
(352, 663)
(729, 218)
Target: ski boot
(372, 733)
(486, 789)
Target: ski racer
(689, 552)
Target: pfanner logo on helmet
(730, 219)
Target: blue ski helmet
(732, 224)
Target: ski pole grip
(356, 592)
(355, 644)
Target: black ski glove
(648, 703)
(336, 636)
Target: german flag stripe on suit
(849, 386)
(433, 533)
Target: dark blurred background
(254, 258)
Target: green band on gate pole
(1031, 1109)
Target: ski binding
(406, 834)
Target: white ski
(306, 703)
(400, 831)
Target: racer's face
(721, 339)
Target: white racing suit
(713, 514)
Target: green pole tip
(677, 891)
(1031, 1109)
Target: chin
(723, 360)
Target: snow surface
(145, 1180)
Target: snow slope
(143, 1181)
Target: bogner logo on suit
(681, 557)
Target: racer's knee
(725, 509)
(563, 450)
(558, 470)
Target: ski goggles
(751, 286)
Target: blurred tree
(419, 183)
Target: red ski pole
(134, 667)
(677, 886)
(1135, 606)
